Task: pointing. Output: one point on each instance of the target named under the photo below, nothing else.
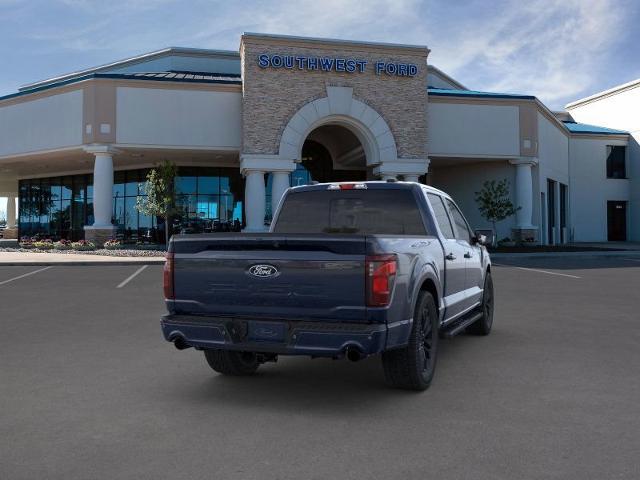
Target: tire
(232, 363)
(413, 367)
(483, 325)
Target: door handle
(468, 255)
(450, 256)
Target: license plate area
(266, 332)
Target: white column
(524, 192)
(102, 190)
(279, 185)
(408, 168)
(255, 200)
(11, 212)
(411, 178)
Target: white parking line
(25, 275)
(132, 276)
(539, 271)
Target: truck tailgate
(271, 276)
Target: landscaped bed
(124, 252)
(112, 248)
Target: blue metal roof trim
(445, 92)
(222, 79)
(575, 127)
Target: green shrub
(83, 245)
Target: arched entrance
(332, 153)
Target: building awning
(575, 127)
(445, 92)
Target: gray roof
(132, 61)
(175, 75)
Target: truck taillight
(167, 275)
(381, 275)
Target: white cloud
(553, 49)
(550, 48)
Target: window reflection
(208, 200)
(300, 176)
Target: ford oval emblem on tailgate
(263, 271)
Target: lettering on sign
(334, 64)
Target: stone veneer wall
(271, 96)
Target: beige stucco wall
(50, 122)
(462, 129)
(179, 117)
(272, 96)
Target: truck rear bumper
(285, 337)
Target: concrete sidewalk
(32, 258)
(588, 254)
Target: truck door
(473, 261)
(454, 251)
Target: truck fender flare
(428, 272)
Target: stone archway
(340, 108)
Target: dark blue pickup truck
(347, 270)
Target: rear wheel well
(429, 286)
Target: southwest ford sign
(334, 64)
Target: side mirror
(483, 237)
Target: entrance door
(617, 221)
(563, 213)
(543, 219)
(551, 212)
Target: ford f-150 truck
(346, 270)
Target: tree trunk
(494, 241)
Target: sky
(558, 50)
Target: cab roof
(372, 184)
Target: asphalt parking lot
(90, 390)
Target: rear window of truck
(364, 212)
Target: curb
(596, 254)
(91, 263)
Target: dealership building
(244, 126)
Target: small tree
(494, 203)
(160, 193)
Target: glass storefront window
(208, 200)
(300, 176)
(131, 187)
(67, 188)
(118, 184)
(208, 185)
(186, 185)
